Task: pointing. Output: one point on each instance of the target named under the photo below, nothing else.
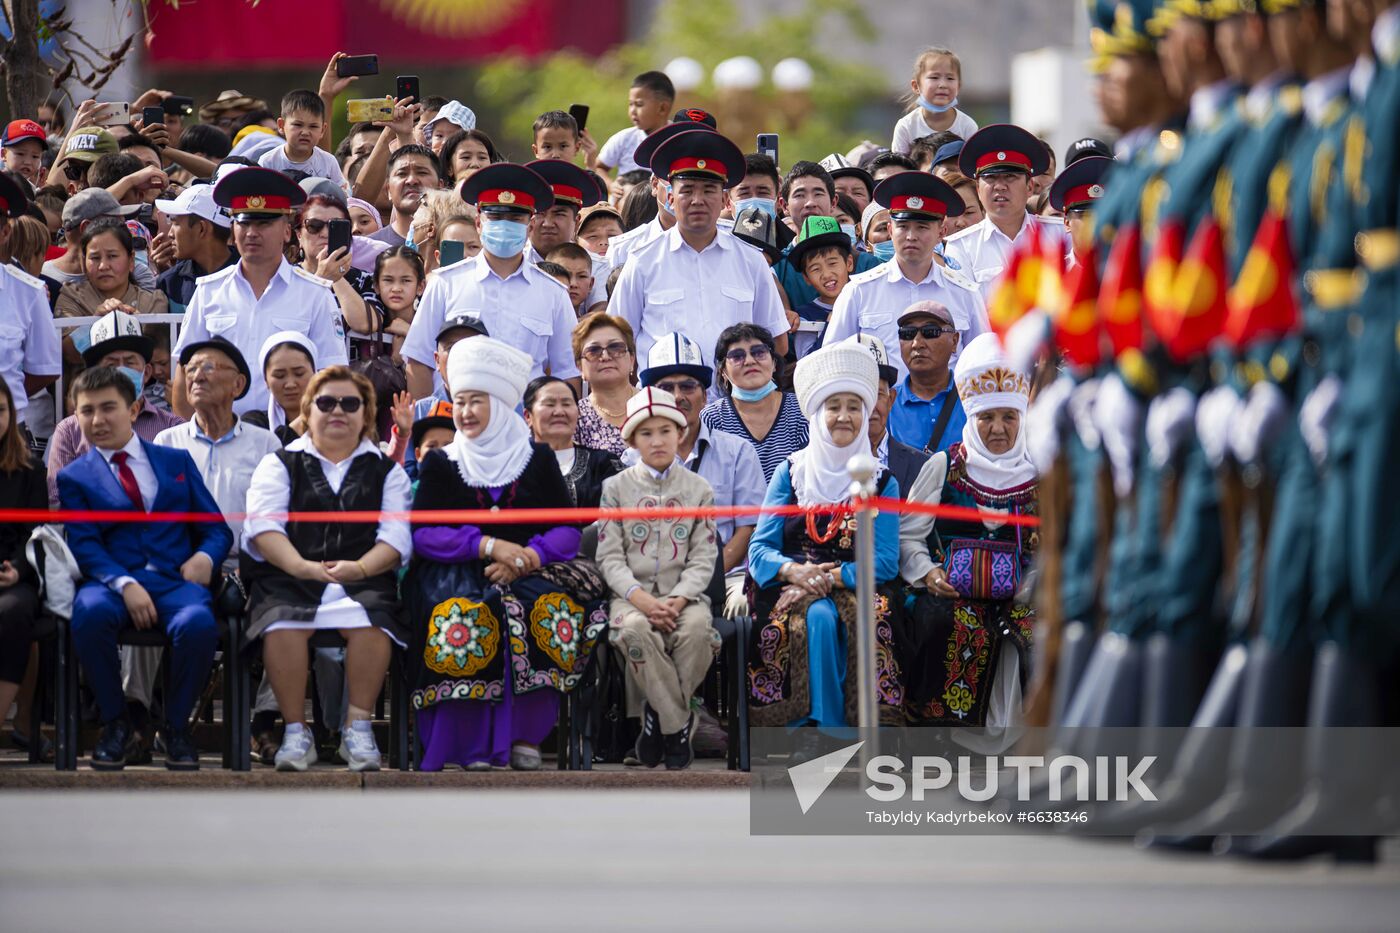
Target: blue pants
(826, 659)
(183, 609)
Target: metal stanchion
(863, 470)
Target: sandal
(265, 747)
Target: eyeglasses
(348, 403)
(675, 388)
(208, 369)
(926, 331)
(314, 226)
(614, 350)
(759, 354)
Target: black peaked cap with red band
(918, 196)
(1003, 147)
(507, 186)
(571, 184)
(258, 192)
(1080, 184)
(699, 154)
(13, 198)
(647, 147)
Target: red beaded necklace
(833, 527)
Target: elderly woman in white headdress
(803, 566)
(969, 635)
(288, 361)
(505, 615)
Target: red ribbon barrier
(509, 516)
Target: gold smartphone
(370, 110)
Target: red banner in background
(210, 34)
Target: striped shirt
(787, 435)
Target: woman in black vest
(307, 576)
(505, 615)
(22, 486)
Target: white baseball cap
(196, 201)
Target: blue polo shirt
(912, 418)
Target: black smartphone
(150, 116)
(178, 105)
(337, 235)
(450, 251)
(580, 114)
(768, 145)
(356, 65)
(407, 86)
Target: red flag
(1077, 330)
(1159, 281)
(1007, 305)
(1262, 301)
(1196, 315)
(1120, 298)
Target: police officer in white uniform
(873, 301)
(262, 293)
(521, 305)
(1004, 159)
(30, 352)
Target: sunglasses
(759, 354)
(347, 403)
(615, 350)
(314, 226)
(926, 331)
(675, 388)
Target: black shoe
(809, 746)
(180, 752)
(679, 754)
(110, 753)
(650, 747)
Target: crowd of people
(404, 318)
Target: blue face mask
(666, 204)
(934, 108)
(503, 239)
(767, 205)
(408, 240)
(850, 231)
(754, 395)
(137, 377)
(883, 251)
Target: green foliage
(517, 90)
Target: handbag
(388, 380)
(983, 568)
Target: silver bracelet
(490, 543)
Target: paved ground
(616, 860)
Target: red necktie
(128, 480)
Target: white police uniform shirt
(625, 244)
(28, 342)
(872, 302)
(527, 309)
(667, 286)
(224, 305)
(983, 252)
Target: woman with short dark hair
(551, 411)
(753, 407)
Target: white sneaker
(524, 758)
(478, 766)
(298, 751)
(358, 748)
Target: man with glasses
(918, 203)
(690, 279)
(262, 293)
(730, 465)
(926, 413)
(1004, 159)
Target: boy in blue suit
(142, 574)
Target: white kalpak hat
(650, 403)
(847, 366)
(676, 353)
(985, 379)
(484, 364)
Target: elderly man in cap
(903, 461)
(918, 203)
(199, 235)
(521, 305)
(692, 279)
(1005, 160)
(30, 353)
(116, 340)
(261, 294)
(926, 413)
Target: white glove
(1081, 412)
(1044, 422)
(1315, 417)
(1258, 422)
(1118, 414)
(1170, 418)
(1215, 417)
